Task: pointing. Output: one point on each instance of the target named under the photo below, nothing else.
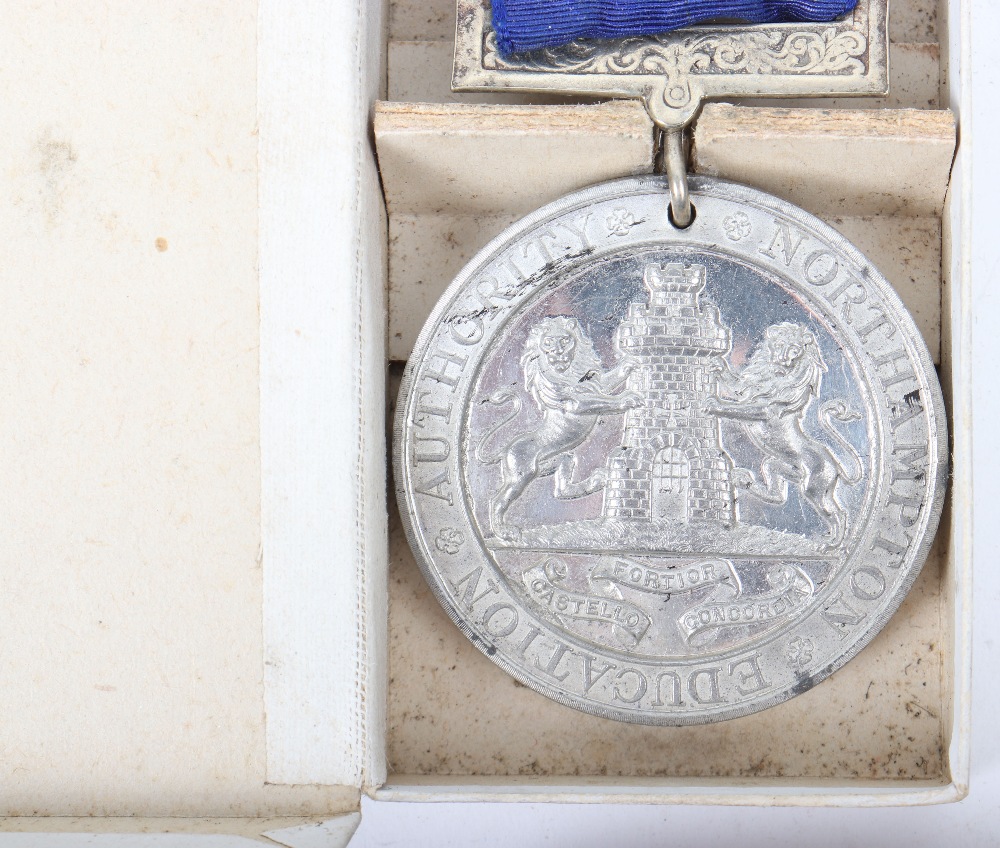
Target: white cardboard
(322, 354)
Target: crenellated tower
(671, 466)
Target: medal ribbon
(522, 25)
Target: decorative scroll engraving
(829, 52)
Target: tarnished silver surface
(674, 72)
(670, 476)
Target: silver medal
(667, 475)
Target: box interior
(886, 716)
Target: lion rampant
(563, 375)
(770, 398)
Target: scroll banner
(668, 581)
(791, 591)
(543, 584)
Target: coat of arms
(671, 489)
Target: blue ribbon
(523, 25)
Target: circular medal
(666, 475)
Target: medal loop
(674, 162)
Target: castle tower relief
(671, 466)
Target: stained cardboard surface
(832, 162)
